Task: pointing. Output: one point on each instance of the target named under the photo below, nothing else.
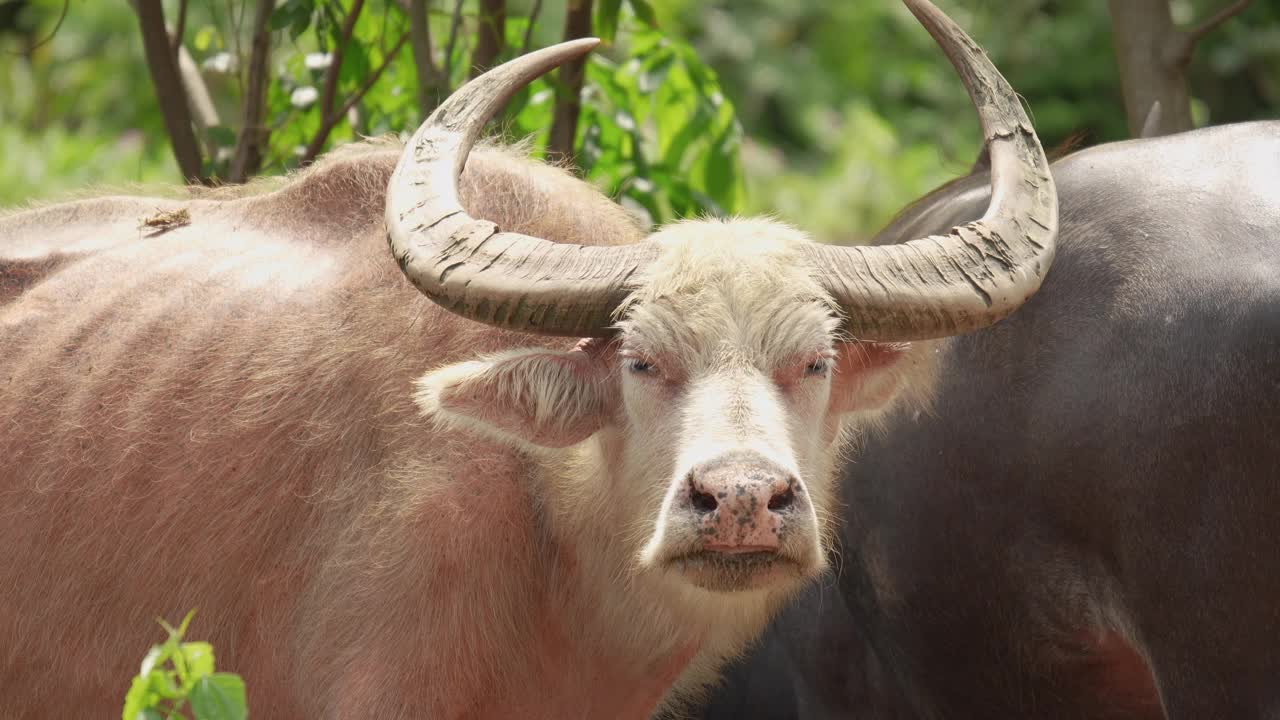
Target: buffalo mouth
(736, 572)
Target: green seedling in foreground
(175, 675)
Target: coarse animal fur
(223, 415)
(1083, 528)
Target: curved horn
(977, 273)
(469, 266)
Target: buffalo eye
(639, 366)
(817, 368)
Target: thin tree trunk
(180, 30)
(330, 121)
(163, 67)
(1153, 56)
(429, 89)
(329, 92)
(564, 124)
(1142, 30)
(527, 44)
(490, 35)
(253, 133)
(203, 112)
(455, 22)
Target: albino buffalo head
(721, 358)
(717, 406)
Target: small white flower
(318, 60)
(222, 63)
(304, 97)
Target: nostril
(703, 502)
(782, 500)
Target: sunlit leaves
(644, 13)
(657, 131)
(176, 673)
(606, 18)
(78, 110)
(609, 14)
(655, 128)
(218, 696)
(295, 15)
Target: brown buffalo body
(220, 416)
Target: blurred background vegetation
(832, 115)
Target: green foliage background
(832, 115)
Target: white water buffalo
(1083, 524)
(390, 506)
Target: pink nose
(742, 503)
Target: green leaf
(219, 697)
(644, 12)
(204, 38)
(290, 14)
(222, 136)
(355, 64)
(164, 683)
(156, 655)
(199, 659)
(295, 15)
(606, 20)
(186, 620)
(657, 131)
(281, 17)
(138, 699)
(177, 633)
(723, 178)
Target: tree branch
(453, 40)
(237, 24)
(1151, 126)
(253, 135)
(330, 91)
(527, 45)
(331, 121)
(423, 56)
(1183, 45)
(180, 30)
(32, 44)
(1141, 29)
(203, 112)
(491, 29)
(172, 97)
(564, 125)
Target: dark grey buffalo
(1087, 523)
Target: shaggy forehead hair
(725, 290)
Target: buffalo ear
(538, 398)
(866, 376)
